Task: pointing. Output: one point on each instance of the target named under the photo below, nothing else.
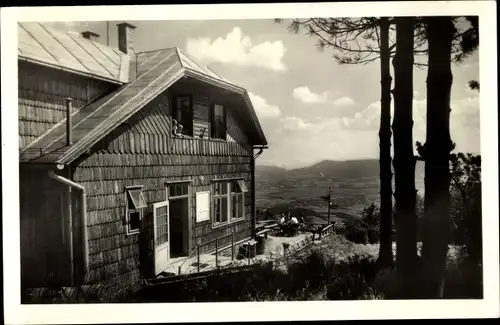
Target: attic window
(183, 115)
(135, 206)
(219, 122)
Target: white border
(268, 311)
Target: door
(161, 235)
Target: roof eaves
(255, 118)
(73, 71)
(214, 81)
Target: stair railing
(197, 251)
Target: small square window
(134, 210)
(134, 218)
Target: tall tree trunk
(437, 222)
(385, 252)
(404, 158)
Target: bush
(353, 279)
(366, 229)
(463, 280)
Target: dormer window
(219, 122)
(183, 115)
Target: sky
(310, 108)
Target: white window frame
(241, 194)
(228, 196)
(214, 197)
(139, 208)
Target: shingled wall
(142, 152)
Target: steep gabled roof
(156, 71)
(43, 45)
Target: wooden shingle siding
(42, 98)
(142, 152)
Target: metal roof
(156, 71)
(41, 44)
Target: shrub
(463, 280)
(352, 279)
(366, 229)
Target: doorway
(178, 198)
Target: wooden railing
(326, 231)
(290, 249)
(197, 251)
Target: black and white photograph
(291, 157)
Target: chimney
(126, 38)
(90, 36)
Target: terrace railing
(196, 252)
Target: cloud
(263, 108)
(294, 123)
(343, 102)
(296, 141)
(464, 121)
(305, 95)
(236, 48)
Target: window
(237, 201)
(183, 115)
(219, 122)
(135, 206)
(228, 201)
(220, 206)
(176, 190)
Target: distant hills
(354, 183)
(331, 169)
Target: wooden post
(198, 258)
(252, 193)
(329, 203)
(217, 252)
(232, 246)
(70, 226)
(248, 252)
(180, 269)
